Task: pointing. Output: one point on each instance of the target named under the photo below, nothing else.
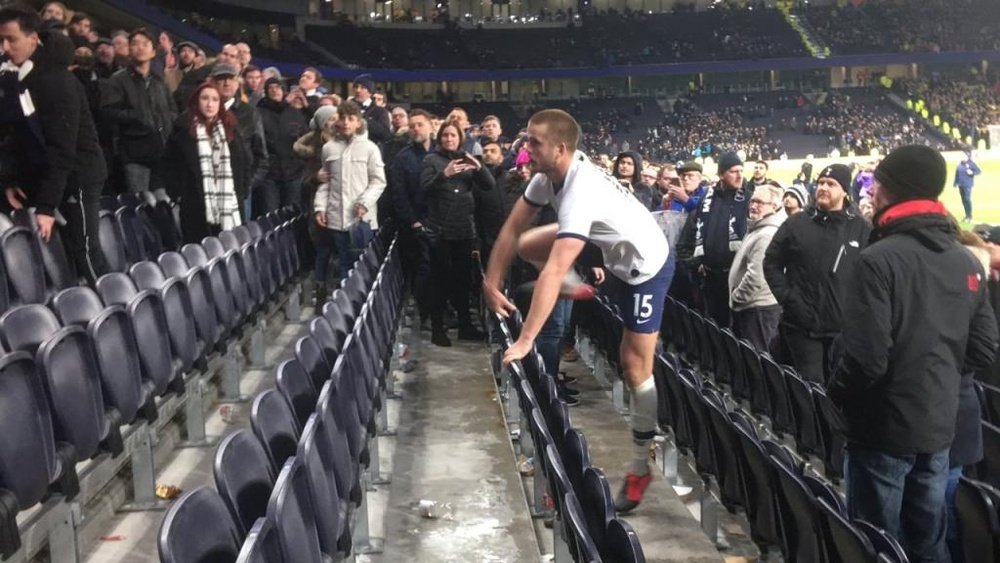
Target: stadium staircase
(817, 47)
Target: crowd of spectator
(970, 103)
(894, 26)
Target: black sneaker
(570, 400)
(564, 379)
(567, 390)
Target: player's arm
(564, 253)
(502, 255)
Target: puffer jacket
(451, 204)
(357, 177)
(747, 287)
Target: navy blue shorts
(641, 306)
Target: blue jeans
(953, 539)
(326, 241)
(550, 338)
(966, 193)
(904, 495)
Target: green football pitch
(985, 196)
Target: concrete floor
(452, 449)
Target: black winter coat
(409, 202)
(450, 202)
(142, 113)
(919, 318)
(254, 145)
(283, 125)
(808, 265)
(184, 181)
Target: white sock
(643, 411)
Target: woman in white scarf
(206, 166)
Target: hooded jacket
(747, 287)
(918, 320)
(450, 202)
(809, 263)
(357, 177)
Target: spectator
(309, 148)
(399, 120)
(379, 98)
(51, 159)
(410, 205)
(105, 63)
(79, 28)
(965, 179)
(139, 104)
(756, 312)
(489, 203)
(796, 200)
(309, 82)
(251, 129)
(806, 171)
(919, 319)
(377, 118)
(449, 176)
(192, 73)
(253, 85)
(207, 173)
(243, 55)
(808, 267)
(229, 55)
(627, 169)
(470, 144)
(686, 193)
(121, 43)
(713, 234)
(55, 11)
(356, 180)
(492, 131)
(760, 169)
(283, 125)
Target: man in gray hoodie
(756, 312)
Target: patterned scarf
(221, 205)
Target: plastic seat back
(243, 476)
(72, 382)
(213, 247)
(229, 241)
(329, 341)
(329, 510)
(260, 545)
(23, 263)
(583, 545)
(976, 506)
(110, 239)
(290, 508)
(198, 529)
(117, 355)
(295, 385)
(116, 288)
(152, 332)
(273, 423)
(174, 265)
(131, 234)
(195, 255)
(844, 542)
(59, 270)
(622, 543)
(27, 326)
(597, 503)
(27, 455)
(312, 360)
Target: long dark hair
(226, 118)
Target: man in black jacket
(410, 206)
(376, 116)
(283, 125)
(713, 233)
(187, 61)
(919, 318)
(226, 80)
(807, 265)
(50, 156)
(138, 102)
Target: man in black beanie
(713, 233)
(918, 319)
(807, 265)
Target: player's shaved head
(560, 127)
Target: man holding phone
(680, 186)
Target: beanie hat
(322, 115)
(273, 80)
(728, 160)
(913, 172)
(839, 172)
(799, 193)
(522, 158)
(364, 80)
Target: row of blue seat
(90, 367)
(289, 489)
(588, 529)
(785, 504)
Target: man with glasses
(681, 186)
(756, 312)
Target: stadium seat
(808, 439)
(782, 418)
(198, 529)
(244, 477)
(834, 442)
(213, 247)
(583, 547)
(177, 308)
(290, 508)
(59, 271)
(799, 516)
(988, 470)
(313, 361)
(296, 386)
(116, 288)
(335, 449)
(597, 503)
(888, 548)
(844, 543)
(27, 326)
(24, 266)
(273, 423)
(977, 506)
(622, 543)
(329, 509)
(576, 455)
(195, 255)
(328, 339)
(131, 234)
(110, 239)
